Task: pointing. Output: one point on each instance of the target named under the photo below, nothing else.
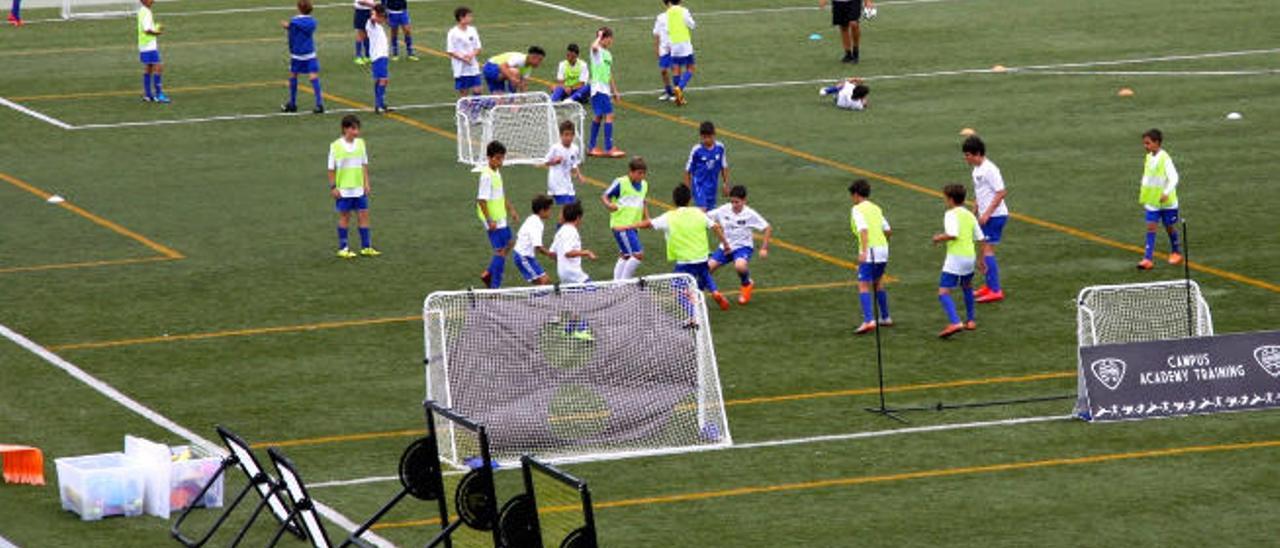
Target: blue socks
(968, 302)
(993, 273)
(379, 95)
(1151, 244)
(315, 89)
(359, 46)
(865, 299)
(408, 44)
(342, 238)
(595, 132)
(155, 82)
(367, 52)
(364, 237)
(608, 135)
(683, 80)
(293, 90)
(882, 297)
(1173, 241)
(949, 307)
(496, 265)
(16, 11)
(745, 277)
(146, 85)
(832, 90)
(669, 90)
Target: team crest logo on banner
(1269, 359)
(1110, 371)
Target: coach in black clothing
(845, 15)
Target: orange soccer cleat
(951, 330)
(1146, 264)
(1175, 258)
(745, 296)
(596, 153)
(982, 291)
(720, 300)
(615, 152)
(970, 325)
(991, 297)
(865, 328)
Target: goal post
(578, 372)
(1110, 314)
(98, 9)
(527, 124)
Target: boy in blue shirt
(397, 18)
(707, 162)
(302, 56)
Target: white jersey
(362, 161)
(660, 32)
(663, 224)
(738, 227)
(560, 176)
(987, 181)
(568, 268)
(529, 239)
(845, 100)
(379, 47)
(956, 264)
(362, 5)
(875, 253)
(488, 192)
(463, 42)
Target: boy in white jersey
(738, 222)
(662, 49)
(529, 243)
(379, 52)
(850, 94)
(960, 232)
(562, 163)
(463, 47)
(992, 213)
(567, 247)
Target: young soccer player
(662, 49)
(463, 47)
(1159, 197)
(603, 91)
(738, 220)
(567, 247)
(349, 185)
(302, 56)
(960, 232)
(15, 13)
(845, 15)
(679, 23)
(149, 54)
(707, 162)
(687, 244)
(562, 162)
(625, 198)
(850, 94)
(398, 18)
(360, 20)
(494, 211)
(529, 243)
(376, 33)
(509, 72)
(571, 77)
(872, 231)
(992, 212)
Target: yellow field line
(67, 205)
(86, 264)
(233, 333)
(890, 478)
(125, 93)
(348, 437)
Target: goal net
(578, 372)
(98, 9)
(527, 124)
(1109, 314)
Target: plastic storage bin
(191, 470)
(96, 486)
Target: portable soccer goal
(98, 9)
(1110, 314)
(578, 372)
(527, 124)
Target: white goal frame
(99, 9)
(478, 126)
(1087, 318)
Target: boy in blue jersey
(1159, 197)
(960, 232)
(302, 56)
(376, 32)
(687, 242)
(15, 13)
(495, 211)
(149, 54)
(349, 186)
(625, 199)
(363, 11)
(679, 25)
(707, 162)
(398, 18)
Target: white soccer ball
(869, 13)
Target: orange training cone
(22, 464)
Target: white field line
(758, 11)
(558, 7)
(238, 117)
(4, 543)
(767, 444)
(35, 114)
(158, 419)
(1259, 72)
(227, 11)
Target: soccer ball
(869, 13)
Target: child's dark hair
(1154, 134)
(380, 9)
(707, 128)
(738, 191)
(681, 195)
(350, 121)
(304, 7)
(461, 12)
(537, 50)
(860, 187)
(495, 148)
(573, 48)
(541, 203)
(567, 125)
(955, 192)
(605, 32)
(637, 164)
(860, 92)
(974, 145)
(572, 212)
(674, 2)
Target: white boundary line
(35, 114)
(226, 11)
(4, 543)
(237, 117)
(558, 7)
(158, 419)
(757, 11)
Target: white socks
(625, 269)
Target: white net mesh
(97, 9)
(1108, 314)
(527, 124)
(582, 372)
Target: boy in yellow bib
(1159, 197)
(960, 233)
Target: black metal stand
(883, 410)
(1186, 276)
(940, 406)
(253, 484)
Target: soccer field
(191, 266)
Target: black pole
(1186, 275)
(875, 315)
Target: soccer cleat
(147, 99)
(745, 296)
(848, 57)
(951, 330)
(485, 277)
(583, 335)
(615, 152)
(14, 21)
(413, 57)
(982, 291)
(318, 110)
(379, 110)
(1175, 258)
(370, 252)
(970, 325)
(720, 300)
(395, 57)
(346, 253)
(992, 297)
(665, 97)
(162, 98)
(288, 107)
(679, 96)
(822, 92)
(1146, 264)
(362, 61)
(885, 322)
(597, 153)
(865, 328)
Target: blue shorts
(379, 68)
(466, 82)
(361, 17)
(564, 199)
(664, 61)
(1167, 216)
(628, 242)
(601, 104)
(308, 66)
(498, 239)
(397, 20)
(493, 77)
(529, 267)
(743, 253)
(994, 229)
(705, 202)
(871, 272)
(949, 280)
(686, 61)
(149, 57)
(343, 205)
(700, 272)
